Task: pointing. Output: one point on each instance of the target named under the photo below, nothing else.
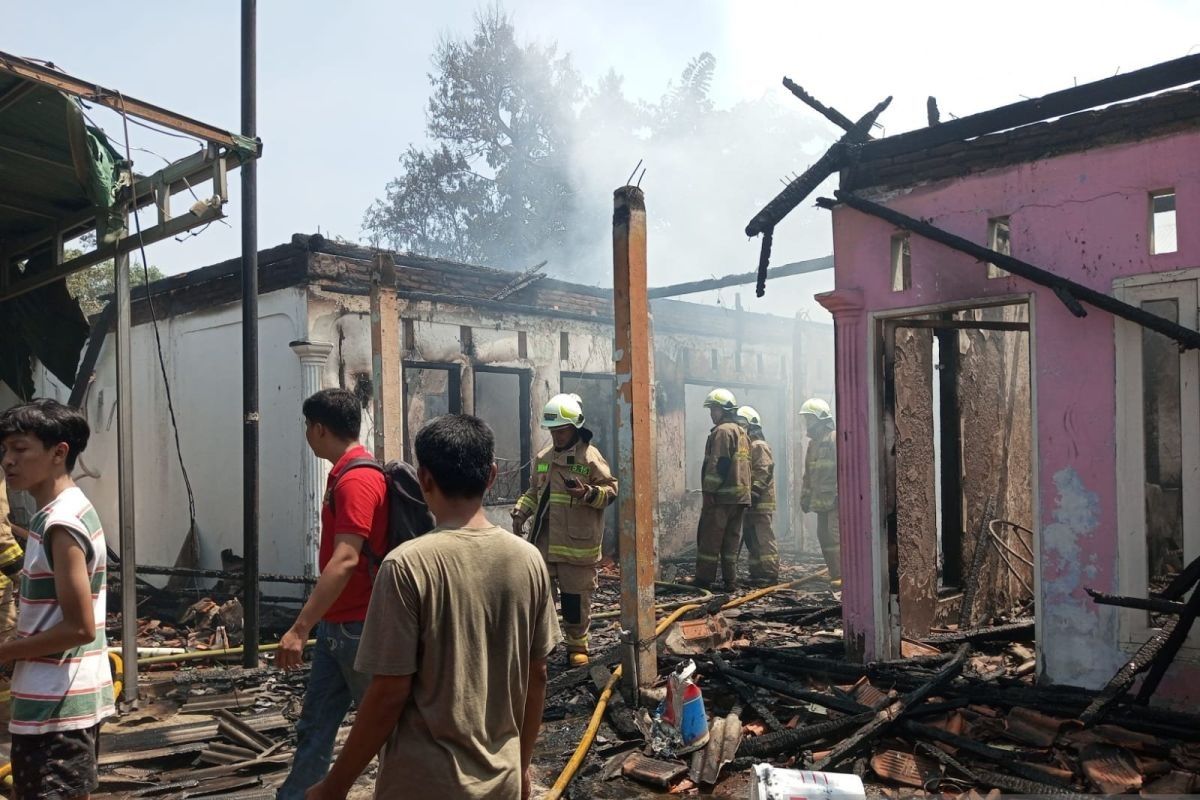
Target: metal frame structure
(223, 151)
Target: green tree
(495, 187)
(89, 285)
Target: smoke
(707, 171)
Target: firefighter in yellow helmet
(571, 487)
(725, 484)
(756, 526)
(818, 488)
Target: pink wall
(1084, 216)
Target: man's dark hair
(52, 423)
(458, 451)
(336, 409)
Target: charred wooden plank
(789, 741)
(1140, 603)
(1183, 582)
(972, 579)
(1066, 289)
(888, 716)
(931, 111)
(1166, 656)
(743, 690)
(996, 755)
(1127, 674)
(828, 112)
(1020, 631)
(797, 692)
(620, 716)
(1056, 104)
(795, 192)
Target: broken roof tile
(1112, 770)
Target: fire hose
(585, 743)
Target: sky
(343, 90)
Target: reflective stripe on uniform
(707, 557)
(574, 552)
(526, 503)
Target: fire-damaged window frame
(524, 423)
(1184, 286)
(453, 392)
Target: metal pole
(125, 516)
(635, 452)
(250, 343)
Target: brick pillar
(854, 471)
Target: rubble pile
(959, 713)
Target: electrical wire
(162, 364)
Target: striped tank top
(71, 690)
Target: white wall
(203, 357)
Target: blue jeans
(332, 684)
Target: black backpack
(408, 516)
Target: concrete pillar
(386, 379)
(312, 469)
(859, 618)
(632, 350)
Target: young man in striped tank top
(62, 685)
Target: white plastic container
(775, 783)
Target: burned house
(491, 342)
(1017, 368)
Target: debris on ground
(959, 712)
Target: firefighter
(818, 489)
(572, 486)
(756, 527)
(725, 483)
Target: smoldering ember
(536, 488)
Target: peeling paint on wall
(1079, 628)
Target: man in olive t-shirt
(460, 625)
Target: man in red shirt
(354, 518)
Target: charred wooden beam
(1182, 582)
(1056, 104)
(1166, 656)
(1127, 674)
(1139, 603)
(931, 111)
(795, 192)
(782, 271)
(747, 694)
(828, 112)
(1005, 758)
(1063, 287)
(620, 716)
(984, 777)
(764, 261)
(789, 741)
(797, 692)
(972, 579)
(888, 716)
(1020, 631)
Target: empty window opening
(409, 336)
(737, 360)
(522, 345)
(760, 364)
(998, 240)
(1162, 222)
(716, 359)
(956, 471)
(564, 346)
(502, 401)
(430, 390)
(466, 340)
(901, 263)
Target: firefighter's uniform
(818, 491)
(760, 536)
(569, 532)
(725, 482)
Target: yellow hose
(585, 743)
